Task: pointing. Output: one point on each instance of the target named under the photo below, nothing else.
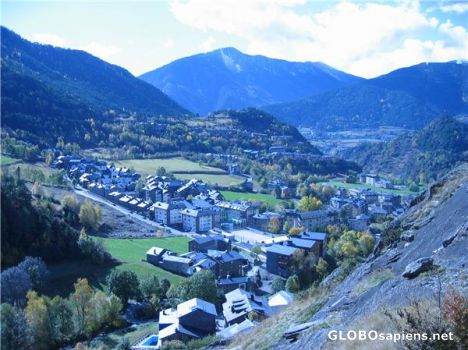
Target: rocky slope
(438, 228)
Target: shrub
(292, 284)
(174, 345)
(277, 284)
(93, 250)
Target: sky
(365, 38)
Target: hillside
(228, 78)
(434, 228)
(409, 97)
(49, 92)
(423, 156)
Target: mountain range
(49, 91)
(408, 97)
(229, 79)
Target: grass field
(132, 254)
(212, 179)
(172, 165)
(6, 160)
(260, 197)
(29, 172)
(351, 185)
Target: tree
(81, 302)
(124, 284)
(308, 203)
(92, 249)
(292, 284)
(258, 279)
(150, 286)
(303, 266)
(60, 321)
(15, 284)
(274, 226)
(161, 171)
(351, 245)
(70, 202)
(15, 329)
(294, 231)
(37, 315)
(165, 285)
(104, 312)
(36, 269)
(277, 284)
(287, 226)
(256, 250)
(201, 285)
(90, 215)
(322, 268)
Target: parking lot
(250, 236)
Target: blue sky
(366, 38)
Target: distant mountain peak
(228, 78)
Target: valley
(227, 200)
(335, 142)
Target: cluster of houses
(378, 181)
(197, 318)
(242, 308)
(362, 206)
(211, 253)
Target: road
(85, 193)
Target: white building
(168, 213)
(197, 220)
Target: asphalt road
(85, 193)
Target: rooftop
(195, 304)
(281, 249)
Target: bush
(124, 284)
(150, 286)
(277, 284)
(93, 250)
(174, 345)
(292, 284)
(90, 215)
(423, 316)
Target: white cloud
(49, 39)
(457, 33)
(103, 51)
(361, 38)
(169, 43)
(208, 44)
(459, 8)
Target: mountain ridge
(226, 78)
(49, 92)
(408, 97)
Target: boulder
(417, 267)
(407, 237)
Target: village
(245, 246)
